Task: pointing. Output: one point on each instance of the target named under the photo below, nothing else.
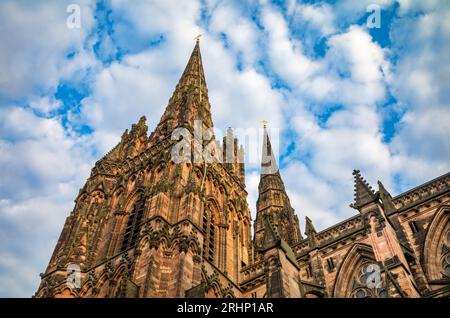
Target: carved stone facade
(145, 226)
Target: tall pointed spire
(273, 201)
(364, 193)
(268, 162)
(189, 101)
(193, 76)
(270, 175)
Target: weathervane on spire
(264, 123)
(197, 38)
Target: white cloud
(421, 82)
(286, 56)
(151, 76)
(242, 34)
(40, 151)
(312, 196)
(121, 94)
(45, 163)
(239, 98)
(323, 189)
(34, 58)
(45, 104)
(24, 278)
(42, 170)
(353, 71)
(318, 16)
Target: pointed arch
(436, 246)
(97, 194)
(164, 242)
(231, 206)
(131, 182)
(213, 287)
(86, 289)
(119, 274)
(143, 244)
(132, 198)
(132, 227)
(65, 292)
(102, 286)
(117, 196)
(216, 290)
(347, 270)
(148, 172)
(228, 294)
(100, 186)
(194, 246)
(223, 189)
(214, 206)
(171, 168)
(198, 174)
(108, 283)
(42, 293)
(158, 172)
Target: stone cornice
(423, 192)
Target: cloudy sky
(343, 95)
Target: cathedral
(145, 226)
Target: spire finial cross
(264, 123)
(197, 38)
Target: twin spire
(275, 217)
(268, 161)
(189, 102)
(270, 175)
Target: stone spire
(270, 180)
(268, 162)
(189, 101)
(273, 202)
(364, 193)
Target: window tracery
(368, 282)
(133, 225)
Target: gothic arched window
(133, 225)
(208, 232)
(437, 246)
(368, 282)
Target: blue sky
(343, 95)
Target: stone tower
(166, 215)
(276, 229)
(274, 212)
(144, 226)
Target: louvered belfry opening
(133, 225)
(208, 231)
